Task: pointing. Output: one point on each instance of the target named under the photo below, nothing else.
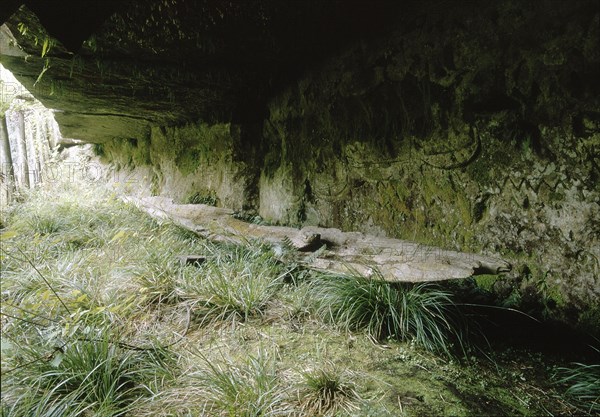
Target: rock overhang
(167, 62)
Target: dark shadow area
(494, 327)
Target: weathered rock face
(194, 163)
(478, 135)
(471, 129)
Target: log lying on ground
(330, 249)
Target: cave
(453, 144)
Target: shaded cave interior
(469, 128)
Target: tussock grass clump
(326, 391)
(45, 225)
(249, 388)
(583, 383)
(420, 312)
(236, 283)
(156, 272)
(157, 285)
(90, 376)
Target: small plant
(583, 383)
(248, 389)
(419, 312)
(45, 225)
(326, 391)
(237, 283)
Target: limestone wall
(480, 136)
(193, 163)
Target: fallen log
(329, 249)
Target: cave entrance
(29, 137)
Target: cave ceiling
(113, 68)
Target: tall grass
(67, 347)
(327, 390)
(235, 284)
(583, 385)
(250, 388)
(97, 375)
(79, 279)
(91, 285)
(419, 312)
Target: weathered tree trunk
(32, 144)
(6, 165)
(330, 249)
(15, 125)
(28, 134)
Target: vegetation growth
(100, 317)
(399, 311)
(583, 383)
(326, 390)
